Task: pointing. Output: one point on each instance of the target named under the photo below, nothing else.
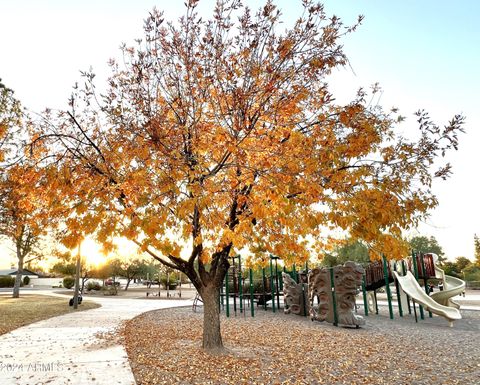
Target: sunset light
(92, 252)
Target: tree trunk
(212, 337)
(18, 277)
(84, 280)
(128, 283)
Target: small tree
(133, 269)
(128, 268)
(66, 266)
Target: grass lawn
(32, 308)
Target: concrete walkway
(70, 349)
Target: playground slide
(410, 286)
(451, 287)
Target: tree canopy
(221, 136)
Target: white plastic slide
(410, 286)
(451, 287)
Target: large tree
(220, 136)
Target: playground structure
(411, 288)
(335, 289)
(451, 287)
(406, 275)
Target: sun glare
(92, 252)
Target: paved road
(72, 348)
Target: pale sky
(425, 54)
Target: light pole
(77, 279)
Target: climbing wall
(347, 279)
(294, 296)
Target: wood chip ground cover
(164, 348)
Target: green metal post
(252, 311)
(387, 286)
(365, 300)
(226, 296)
(264, 279)
(334, 299)
(415, 272)
(425, 280)
(240, 287)
(272, 285)
(295, 277)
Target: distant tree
(471, 272)
(63, 268)
(476, 242)
(462, 268)
(462, 263)
(450, 268)
(129, 269)
(424, 244)
(102, 271)
(66, 266)
(351, 251)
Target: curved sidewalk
(69, 349)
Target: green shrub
(91, 285)
(109, 290)
(26, 280)
(68, 282)
(172, 282)
(7, 281)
